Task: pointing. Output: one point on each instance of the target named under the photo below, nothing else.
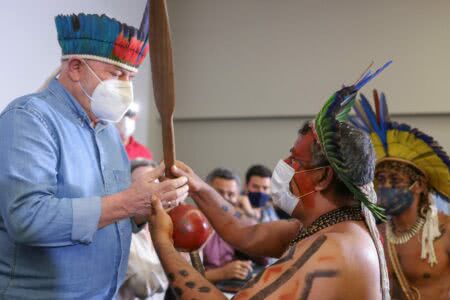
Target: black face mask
(395, 200)
(258, 199)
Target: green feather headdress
(325, 126)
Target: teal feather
(87, 34)
(334, 111)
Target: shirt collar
(56, 88)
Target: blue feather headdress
(102, 38)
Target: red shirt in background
(137, 150)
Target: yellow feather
(406, 146)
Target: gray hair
(142, 162)
(356, 148)
(223, 173)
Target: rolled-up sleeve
(29, 209)
(86, 215)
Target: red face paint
(300, 160)
(305, 186)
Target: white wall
(258, 57)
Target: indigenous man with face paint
(412, 172)
(67, 208)
(331, 249)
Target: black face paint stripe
(290, 272)
(310, 279)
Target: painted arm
(309, 271)
(185, 281)
(232, 226)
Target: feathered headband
(402, 143)
(325, 126)
(102, 38)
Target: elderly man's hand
(139, 194)
(195, 183)
(161, 226)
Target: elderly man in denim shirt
(67, 208)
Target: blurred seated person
(145, 278)
(257, 187)
(127, 127)
(219, 257)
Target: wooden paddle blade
(163, 76)
(161, 58)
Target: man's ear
(324, 178)
(74, 66)
(420, 186)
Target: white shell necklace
(406, 236)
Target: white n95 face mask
(111, 98)
(281, 195)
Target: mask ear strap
(92, 71)
(301, 196)
(304, 195)
(84, 92)
(318, 168)
(412, 185)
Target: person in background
(257, 187)
(219, 257)
(411, 173)
(127, 127)
(145, 278)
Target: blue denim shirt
(55, 167)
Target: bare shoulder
(444, 219)
(444, 225)
(354, 245)
(319, 267)
(306, 269)
(444, 228)
(442, 216)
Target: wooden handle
(197, 262)
(163, 76)
(168, 145)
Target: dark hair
(223, 173)
(141, 162)
(257, 170)
(355, 147)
